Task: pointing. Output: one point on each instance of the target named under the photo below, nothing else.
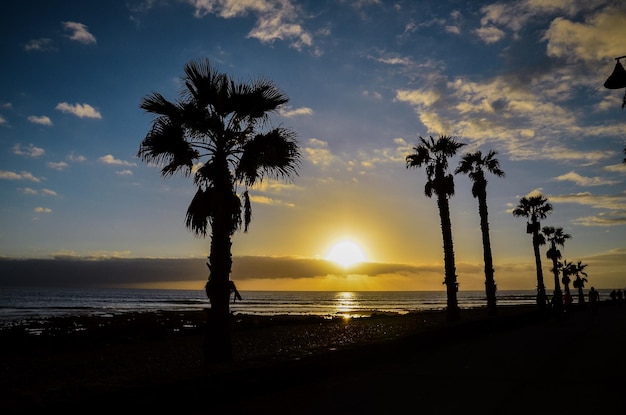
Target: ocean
(29, 303)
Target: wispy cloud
(61, 165)
(76, 158)
(43, 192)
(79, 32)
(600, 36)
(32, 151)
(42, 210)
(41, 120)
(79, 110)
(490, 34)
(288, 112)
(584, 181)
(124, 172)
(109, 159)
(317, 152)
(40, 45)
(275, 19)
(24, 175)
(614, 207)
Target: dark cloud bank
(73, 272)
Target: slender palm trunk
(581, 295)
(218, 345)
(448, 257)
(541, 288)
(558, 294)
(490, 283)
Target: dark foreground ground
(519, 362)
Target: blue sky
(365, 80)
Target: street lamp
(617, 79)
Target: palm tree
(217, 125)
(579, 271)
(556, 237)
(434, 154)
(567, 269)
(475, 165)
(534, 208)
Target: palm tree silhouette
(214, 132)
(534, 208)
(579, 283)
(567, 269)
(475, 165)
(556, 237)
(434, 154)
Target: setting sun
(346, 253)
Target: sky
(366, 79)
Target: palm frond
(274, 154)
(200, 211)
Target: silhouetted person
(613, 296)
(620, 295)
(567, 301)
(594, 299)
(557, 303)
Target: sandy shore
(517, 362)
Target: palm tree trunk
(558, 295)
(218, 347)
(581, 295)
(541, 288)
(490, 283)
(448, 258)
(218, 344)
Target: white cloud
(2, 120)
(58, 166)
(42, 120)
(80, 110)
(600, 36)
(44, 192)
(31, 151)
(42, 210)
(48, 192)
(24, 175)
(453, 29)
(79, 32)
(584, 181)
(317, 152)
(418, 97)
(276, 19)
(288, 112)
(109, 159)
(490, 34)
(124, 172)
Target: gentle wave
(16, 304)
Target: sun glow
(346, 253)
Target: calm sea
(22, 303)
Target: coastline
(153, 360)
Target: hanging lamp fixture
(617, 79)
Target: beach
(520, 361)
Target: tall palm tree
(581, 278)
(218, 124)
(556, 237)
(475, 165)
(434, 155)
(534, 208)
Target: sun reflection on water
(346, 304)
